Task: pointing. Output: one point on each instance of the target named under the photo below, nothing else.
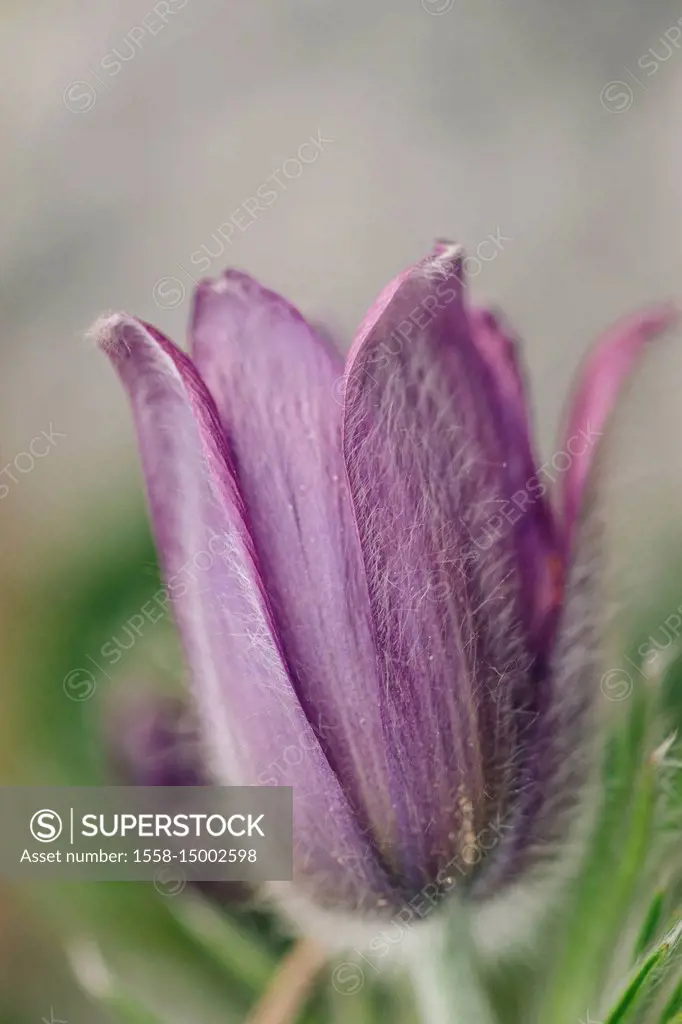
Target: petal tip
(650, 323)
(669, 314)
(445, 260)
(108, 333)
(235, 282)
(445, 252)
(215, 284)
(445, 248)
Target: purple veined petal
(427, 462)
(541, 540)
(500, 349)
(273, 379)
(560, 742)
(599, 382)
(248, 710)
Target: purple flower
(385, 602)
(151, 740)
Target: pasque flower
(400, 618)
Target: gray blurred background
(490, 115)
(133, 130)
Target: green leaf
(672, 1013)
(602, 896)
(652, 973)
(650, 927)
(627, 1004)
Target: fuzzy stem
(445, 979)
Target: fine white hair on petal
(106, 332)
(508, 909)
(440, 262)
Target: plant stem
(446, 983)
(291, 986)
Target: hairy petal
(248, 709)
(274, 381)
(540, 540)
(599, 382)
(559, 740)
(500, 350)
(428, 469)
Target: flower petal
(542, 562)
(559, 746)
(273, 380)
(249, 713)
(501, 352)
(428, 466)
(598, 385)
